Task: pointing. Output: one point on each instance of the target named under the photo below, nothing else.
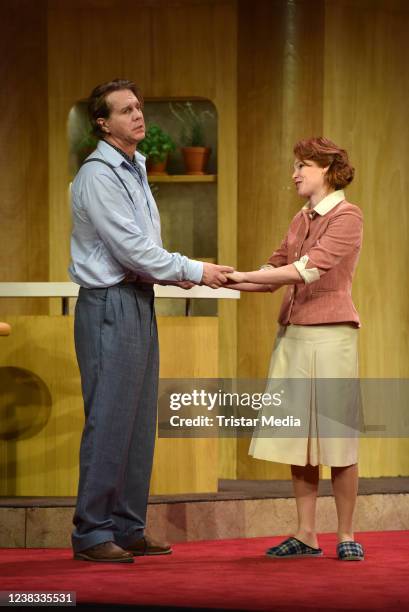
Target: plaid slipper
(350, 551)
(293, 549)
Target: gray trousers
(116, 343)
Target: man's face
(125, 124)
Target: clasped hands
(215, 276)
(267, 278)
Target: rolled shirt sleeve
(266, 267)
(342, 236)
(309, 275)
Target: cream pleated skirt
(324, 398)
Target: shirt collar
(114, 157)
(328, 203)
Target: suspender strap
(102, 161)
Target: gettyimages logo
(293, 407)
(223, 399)
(220, 407)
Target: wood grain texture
(348, 81)
(280, 83)
(365, 109)
(42, 417)
(42, 412)
(88, 43)
(184, 465)
(280, 71)
(172, 50)
(23, 149)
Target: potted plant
(193, 146)
(156, 146)
(86, 145)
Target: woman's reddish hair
(326, 153)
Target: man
(117, 255)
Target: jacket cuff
(309, 275)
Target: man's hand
(185, 284)
(214, 276)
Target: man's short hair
(98, 106)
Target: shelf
(182, 178)
(66, 290)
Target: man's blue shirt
(114, 237)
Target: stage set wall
(276, 70)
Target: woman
(317, 339)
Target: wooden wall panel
(282, 70)
(41, 407)
(88, 43)
(183, 465)
(338, 70)
(280, 82)
(172, 49)
(280, 99)
(365, 108)
(23, 149)
(194, 54)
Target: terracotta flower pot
(156, 167)
(195, 159)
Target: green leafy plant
(82, 145)
(88, 141)
(192, 123)
(157, 144)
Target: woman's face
(309, 178)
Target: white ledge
(67, 290)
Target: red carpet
(229, 574)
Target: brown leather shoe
(148, 546)
(107, 552)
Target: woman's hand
(253, 287)
(236, 277)
(275, 277)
